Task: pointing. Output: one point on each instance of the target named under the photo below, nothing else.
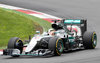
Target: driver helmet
(50, 30)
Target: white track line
(9, 7)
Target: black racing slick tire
(15, 43)
(56, 45)
(89, 40)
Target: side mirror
(29, 38)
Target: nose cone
(31, 45)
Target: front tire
(89, 40)
(56, 45)
(15, 43)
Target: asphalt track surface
(88, 9)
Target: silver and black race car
(65, 35)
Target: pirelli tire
(56, 45)
(15, 43)
(89, 40)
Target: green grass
(44, 24)
(13, 23)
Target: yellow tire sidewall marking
(56, 47)
(93, 40)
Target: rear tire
(56, 45)
(15, 43)
(89, 40)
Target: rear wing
(79, 22)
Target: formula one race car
(65, 35)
